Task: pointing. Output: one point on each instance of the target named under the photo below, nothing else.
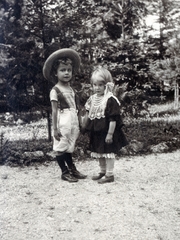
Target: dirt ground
(142, 204)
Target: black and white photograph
(89, 120)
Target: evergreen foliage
(112, 33)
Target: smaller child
(104, 124)
(60, 66)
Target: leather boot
(76, 173)
(66, 176)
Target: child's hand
(57, 135)
(109, 138)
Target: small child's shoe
(79, 175)
(99, 176)
(75, 173)
(107, 179)
(68, 177)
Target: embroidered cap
(62, 53)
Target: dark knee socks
(60, 160)
(69, 161)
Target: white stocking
(109, 166)
(102, 164)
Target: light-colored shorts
(68, 125)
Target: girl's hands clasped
(57, 134)
(109, 138)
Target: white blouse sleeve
(53, 95)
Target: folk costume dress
(101, 111)
(67, 119)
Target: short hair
(56, 63)
(104, 73)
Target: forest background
(139, 42)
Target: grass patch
(163, 109)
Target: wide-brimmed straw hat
(62, 53)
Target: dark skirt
(98, 144)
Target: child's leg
(109, 177)
(72, 167)
(65, 172)
(102, 165)
(68, 159)
(61, 163)
(109, 167)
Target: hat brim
(65, 52)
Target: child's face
(64, 72)
(98, 85)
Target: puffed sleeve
(112, 111)
(112, 107)
(53, 95)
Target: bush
(154, 132)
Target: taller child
(60, 66)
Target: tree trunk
(49, 126)
(176, 96)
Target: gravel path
(142, 204)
